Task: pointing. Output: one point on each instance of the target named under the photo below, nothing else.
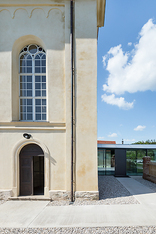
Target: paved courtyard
(136, 215)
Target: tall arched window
(32, 75)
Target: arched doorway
(31, 170)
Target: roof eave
(100, 12)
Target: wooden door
(26, 175)
(26, 156)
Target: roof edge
(101, 4)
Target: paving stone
(147, 183)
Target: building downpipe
(72, 96)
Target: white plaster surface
(47, 23)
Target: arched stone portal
(31, 169)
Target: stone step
(29, 198)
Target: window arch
(32, 81)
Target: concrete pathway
(38, 214)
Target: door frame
(16, 165)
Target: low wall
(149, 169)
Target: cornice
(30, 5)
(42, 126)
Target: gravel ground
(111, 192)
(99, 230)
(147, 183)
(2, 201)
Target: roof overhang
(100, 12)
(126, 146)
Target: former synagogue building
(48, 97)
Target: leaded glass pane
(38, 109)
(37, 93)
(44, 109)
(29, 117)
(29, 78)
(43, 78)
(33, 49)
(29, 102)
(43, 101)
(38, 101)
(29, 85)
(37, 70)
(29, 93)
(23, 102)
(43, 85)
(44, 117)
(29, 70)
(23, 116)
(37, 78)
(29, 108)
(38, 116)
(43, 93)
(37, 62)
(37, 86)
(43, 69)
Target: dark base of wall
(149, 177)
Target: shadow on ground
(110, 187)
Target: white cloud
(113, 135)
(139, 128)
(120, 102)
(104, 60)
(129, 43)
(101, 138)
(135, 70)
(129, 140)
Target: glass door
(110, 162)
(106, 162)
(101, 161)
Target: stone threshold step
(29, 198)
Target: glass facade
(106, 162)
(152, 154)
(134, 160)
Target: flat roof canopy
(100, 12)
(124, 146)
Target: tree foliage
(145, 142)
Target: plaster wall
(86, 92)
(16, 33)
(54, 141)
(47, 23)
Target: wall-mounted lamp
(26, 135)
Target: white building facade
(35, 97)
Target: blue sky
(127, 72)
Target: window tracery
(32, 80)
